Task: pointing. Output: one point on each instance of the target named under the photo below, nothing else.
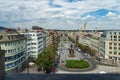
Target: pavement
(32, 70)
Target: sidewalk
(32, 70)
(104, 62)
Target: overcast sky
(60, 14)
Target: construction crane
(80, 30)
(96, 30)
(85, 26)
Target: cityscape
(59, 40)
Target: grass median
(77, 64)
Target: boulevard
(94, 66)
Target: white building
(35, 43)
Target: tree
(47, 57)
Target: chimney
(6, 29)
(2, 64)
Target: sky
(60, 14)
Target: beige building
(112, 45)
(48, 39)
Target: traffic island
(77, 64)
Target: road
(95, 68)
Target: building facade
(36, 42)
(14, 45)
(107, 44)
(2, 62)
(48, 39)
(112, 45)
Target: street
(95, 68)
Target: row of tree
(84, 48)
(46, 58)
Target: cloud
(111, 14)
(59, 12)
(88, 17)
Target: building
(107, 44)
(36, 42)
(2, 64)
(112, 45)
(44, 35)
(48, 40)
(14, 45)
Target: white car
(102, 72)
(58, 53)
(79, 49)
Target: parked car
(79, 49)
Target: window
(111, 37)
(33, 47)
(18, 49)
(119, 53)
(119, 44)
(5, 44)
(8, 51)
(33, 34)
(33, 52)
(115, 53)
(114, 33)
(33, 43)
(28, 44)
(110, 57)
(119, 37)
(115, 39)
(115, 44)
(110, 52)
(5, 51)
(110, 44)
(115, 36)
(110, 47)
(115, 47)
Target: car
(79, 49)
(62, 61)
(102, 72)
(58, 53)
